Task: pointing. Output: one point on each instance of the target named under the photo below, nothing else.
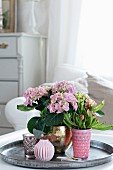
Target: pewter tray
(100, 153)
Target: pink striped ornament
(44, 150)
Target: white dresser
(22, 65)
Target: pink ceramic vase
(44, 150)
(81, 143)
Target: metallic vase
(60, 138)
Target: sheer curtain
(95, 36)
(62, 35)
(81, 34)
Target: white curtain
(81, 34)
(95, 36)
(62, 35)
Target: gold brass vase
(60, 138)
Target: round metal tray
(100, 153)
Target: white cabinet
(6, 71)
(8, 46)
(22, 65)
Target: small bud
(82, 117)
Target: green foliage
(37, 125)
(97, 108)
(74, 120)
(38, 133)
(42, 103)
(5, 19)
(53, 119)
(84, 118)
(82, 111)
(24, 108)
(32, 123)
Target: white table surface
(104, 136)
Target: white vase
(32, 23)
(26, 17)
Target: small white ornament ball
(44, 150)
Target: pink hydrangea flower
(64, 86)
(61, 102)
(60, 95)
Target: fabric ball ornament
(44, 150)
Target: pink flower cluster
(64, 86)
(60, 102)
(63, 94)
(33, 94)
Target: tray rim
(60, 164)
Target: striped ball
(44, 150)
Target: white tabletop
(104, 136)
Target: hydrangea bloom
(60, 96)
(61, 104)
(33, 94)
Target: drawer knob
(3, 45)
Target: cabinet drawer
(8, 90)
(8, 69)
(8, 47)
(3, 119)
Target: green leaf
(5, 19)
(40, 124)
(80, 123)
(88, 121)
(84, 126)
(101, 126)
(47, 129)
(32, 124)
(99, 113)
(67, 124)
(22, 107)
(77, 120)
(38, 133)
(45, 103)
(94, 122)
(54, 119)
(44, 112)
(99, 107)
(67, 118)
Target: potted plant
(60, 105)
(82, 121)
(53, 102)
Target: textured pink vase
(81, 143)
(44, 150)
